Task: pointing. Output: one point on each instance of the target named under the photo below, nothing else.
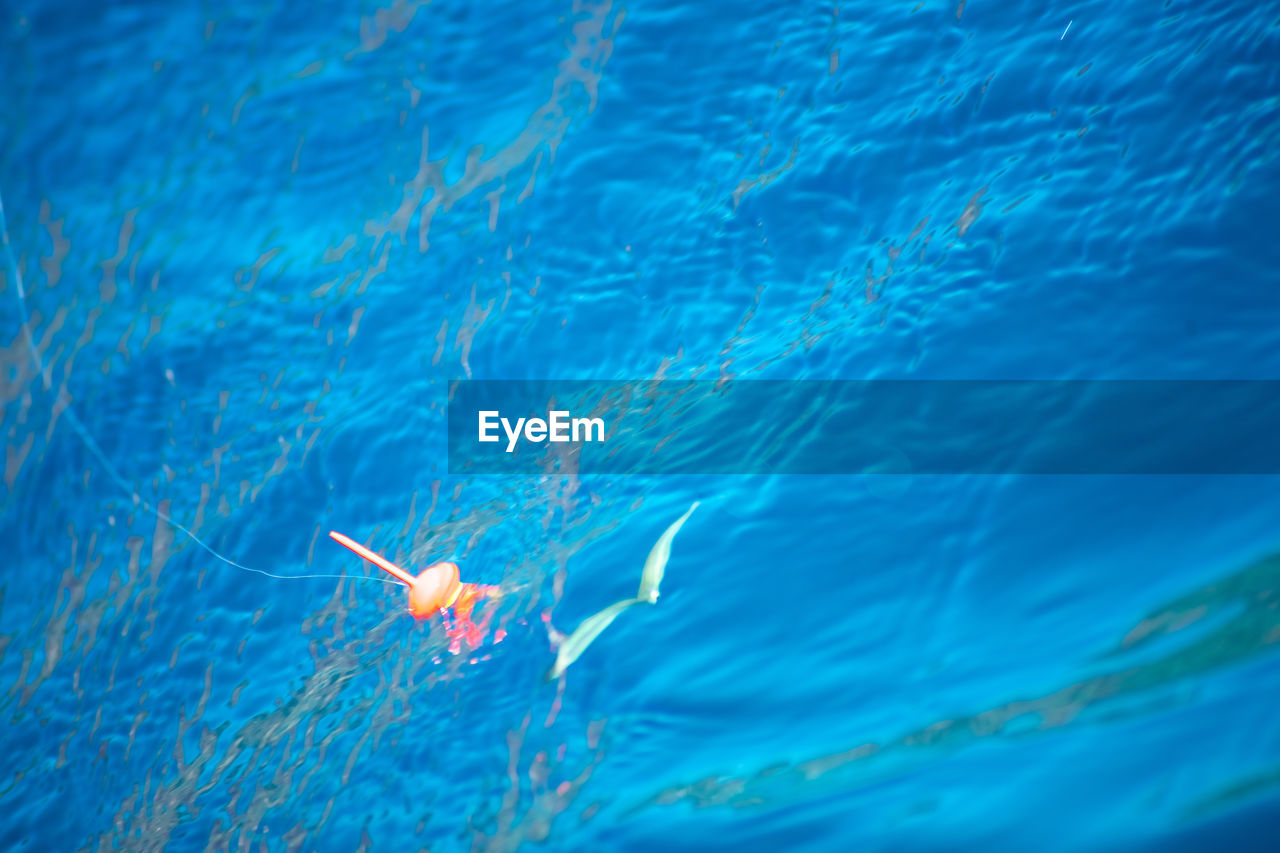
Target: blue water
(259, 241)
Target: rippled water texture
(259, 240)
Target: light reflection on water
(259, 245)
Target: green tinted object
(654, 565)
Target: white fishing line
(78, 426)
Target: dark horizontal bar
(876, 427)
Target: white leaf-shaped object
(656, 563)
(577, 642)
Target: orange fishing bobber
(436, 588)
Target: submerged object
(436, 588)
(572, 647)
(656, 563)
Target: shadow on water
(1247, 601)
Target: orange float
(435, 589)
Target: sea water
(262, 242)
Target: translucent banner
(864, 427)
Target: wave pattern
(259, 242)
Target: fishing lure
(437, 588)
(655, 565)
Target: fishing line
(78, 426)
